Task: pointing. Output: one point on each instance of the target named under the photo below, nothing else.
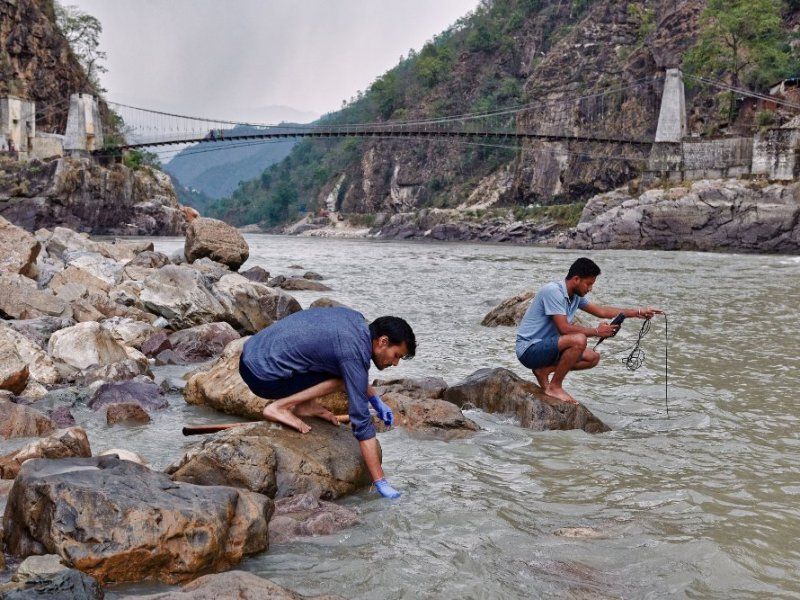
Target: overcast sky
(233, 58)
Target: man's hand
(648, 312)
(605, 330)
(384, 412)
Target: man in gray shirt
(547, 341)
(318, 351)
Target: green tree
(743, 42)
(82, 31)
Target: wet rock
(66, 584)
(126, 412)
(178, 294)
(141, 525)
(298, 284)
(413, 387)
(510, 311)
(325, 302)
(257, 274)
(428, 414)
(84, 345)
(124, 370)
(22, 299)
(17, 420)
(62, 416)
(18, 250)
(216, 240)
(233, 584)
(200, 343)
(127, 331)
(14, 371)
(305, 515)
(145, 394)
(63, 443)
(156, 343)
(40, 329)
(252, 306)
(276, 281)
(312, 276)
(124, 455)
(501, 391)
(40, 365)
(278, 462)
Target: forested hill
(512, 52)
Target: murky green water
(703, 504)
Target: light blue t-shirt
(537, 324)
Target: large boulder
(233, 584)
(40, 365)
(17, 420)
(119, 521)
(278, 462)
(85, 344)
(146, 394)
(510, 311)
(18, 250)
(179, 294)
(63, 241)
(501, 391)
(63, 443)
(252, 306)
(200, 343)
(127, 331)
(217, 240)
(428, 414)
(413, 387)
(92, 268)
(22, 299)
(305, 515)
(14, 372)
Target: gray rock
(257, 274)
(179, 294)
(312, 276)
(305, 515)
(510, 311)
(414, 387)
(300, 284)
(66, 584)
(22, 299)
(143, 393)
(199, 343)
(40, 329)
(251, 306)
(216, 240)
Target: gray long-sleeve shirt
(319, 340)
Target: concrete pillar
(672, 117)
(18, 124)
(84, 129)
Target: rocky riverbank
(83, 324)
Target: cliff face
(37, 63)
(81, 195)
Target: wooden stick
(201, 429)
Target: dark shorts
(281, 388)
(541, 354)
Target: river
(700, 504)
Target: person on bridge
(315, 352)
(547, 341)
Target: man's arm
(609, 312)
(356, 384)
(565, 328)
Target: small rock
(156, 343)
(124, 455)
(300, 284)
(313, 276)
(509, 312)
(305, 515)
(121, 412)
(145, 394)
(326, 302)
(257, 274)
(62, 416)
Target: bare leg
(312, 408)
(280, 411)
(543, 374)
(572, 347)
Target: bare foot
(343, 418)
(559, 393)
(312, 408)
(542, 376)
(285, 417)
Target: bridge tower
(666, 156)
(84, 129)
(17, 125)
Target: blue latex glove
(386, 490)
(384, 412)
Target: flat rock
(124, 370)
(17, 420)
(413, 387)
(18, 250)
(312, 276)
(63, 443)
(179, 294)
(252, 306)
(65, 584)
(119, 521)
(305, 515)
(301, 284)
(126, 412)
(145, 394)
(233, 584)
(501, 391)
(85, 344)
(428, 414)
(200, 343)
(277, 461)
(216, 240)
(510, 311)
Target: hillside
(506, 53)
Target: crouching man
(315, 352)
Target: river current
(702, 503)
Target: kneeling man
(315, 352)
(547, 341)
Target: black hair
(397, 330)
(583, 267)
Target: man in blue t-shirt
(547, 341)
(315, 352)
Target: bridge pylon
(666, 157)
(84, 129)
